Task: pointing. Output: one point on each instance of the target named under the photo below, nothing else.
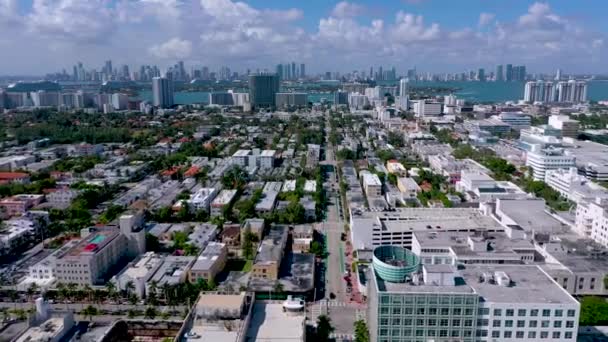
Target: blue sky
(434, 35)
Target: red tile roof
(13, 175)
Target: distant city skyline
(43, 36)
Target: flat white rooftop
(270, 323)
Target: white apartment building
(592, 220)
(539, 91)
(138, 274)
(371, 184)
(222, 200)
(201, 200)
(266, 159)
(62, 197)
(256, 158)
(357, 101)
(241, 158)
(573, 186)
(541, 160)
(479, 186)
(571, 91)
(425, 108)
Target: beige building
(268, 260)
(396, 168)
(210, 262)
(88, 261)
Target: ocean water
(470, 91)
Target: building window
(469, 323)
(497, 312)
(519, 334)
(521, 324)
(521, 312)
(544, 334)
(432, 311)
(569, 324)
(432, 322)
(533, 324)
(544, 324)
(510, 312)
(556, 334)
(455, 322)
(408, 311)
(444, 322)
(509, 323)
(496, 323)
(559, 313)
(420, 311)
(508, 334)
(568, 335)
(495, 334)
(445, 311)
(532, 334)
(546, 313)
(557, 324)
(571, 313)
(534, 312)
(483, 311)
(420, 321)
(397, 321)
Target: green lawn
(240, 265)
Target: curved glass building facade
(395, 264)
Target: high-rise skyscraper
(302, 70)
(539, 91)
(558, 75)
(294, 75)
(499, 74)
(403, 94)
(263, 89)
(162, 92)
(481, 75)
(403, 87)
(279, 71)
(287, 71)
(571, 91)
(509, 73)
(108, 67)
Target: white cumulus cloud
(174, 48)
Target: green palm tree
(90, 311)
(131, 313)
(72, 287)
(129, 286)
(111, 289)
(88, 291)
(166, 289)
(150, 313)
(31, 290)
